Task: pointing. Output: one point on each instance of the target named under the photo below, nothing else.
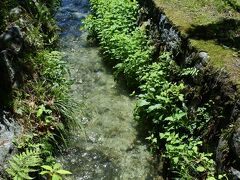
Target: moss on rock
(212, 26)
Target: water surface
(107, 147)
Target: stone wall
(211, 85)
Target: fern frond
(22, 164)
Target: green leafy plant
(43, 111)
(162, 106)
(50, 85)
(54, 172)
(186, 160)
(21, 165)
(125, 45)
(161, 103)
(41, 101)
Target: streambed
(108, 146)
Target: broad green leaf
(200, 169)
(170, 118)
(119, 65)
(61, 171)
(211, 178)
(156, 106)
(57, 166)
(44, 172)
(170, 148)
(56, 177)
(162, 135)
(169, 138)
(16, 178)
(180, 115)
(47, 167)
(154, 140)
(220, 176)
(39, 112)
(142, 103)
(181, 146)
(181, 98)
(175, 160)
(195, 149)
(152, 89)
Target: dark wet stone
(221, 152)
(236, 143)
(11, 42)
(12, 39)
(16, 11)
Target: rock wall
(10, 46)
(211, 85)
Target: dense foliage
(23, 164)
(125, 44)
(40, 101)
(171, 127)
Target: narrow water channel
(107, 147)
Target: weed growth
(125, 44)
(42, 106)
(40, 101)
(55, 172)
(161, 109)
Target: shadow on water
(225, 32)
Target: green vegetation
(185, 157)
(54, 172)
(23, 164)
(234, 4)
(212, 26)
(4, 10)
(40, 102)
(162, 108)
(41, 105)
(171, 128)
(124, 43)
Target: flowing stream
(107, 147)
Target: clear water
(107, 147)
